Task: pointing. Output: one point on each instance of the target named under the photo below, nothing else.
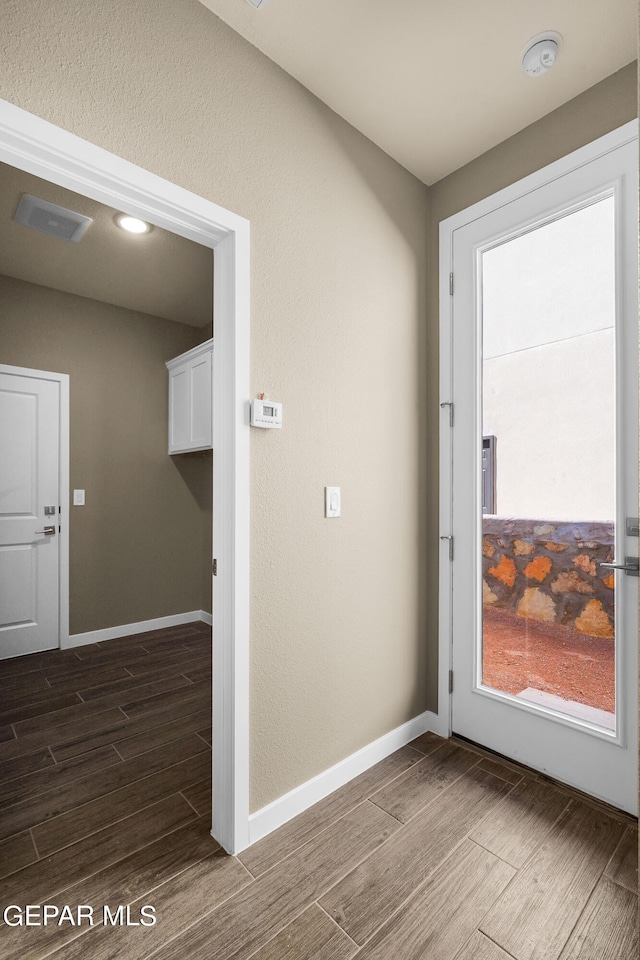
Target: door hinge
(450, 681)
(450, 539)
(448, 403)
(450, 284)
(214, 567)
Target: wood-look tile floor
(439, 852)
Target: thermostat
(266, 413)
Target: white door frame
(580, 157)
(54, 154)
(63, 490)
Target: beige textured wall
(595, 112)
(338, 307)
(136, 548)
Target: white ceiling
(161, 273)
(436, 83)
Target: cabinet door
(190, 405)
(200, 398)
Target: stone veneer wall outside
(549, 570)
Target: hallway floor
(440, 852)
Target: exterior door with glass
(541, 496)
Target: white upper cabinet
(190, 400)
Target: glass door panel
(548, 310)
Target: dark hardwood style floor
(440, 852)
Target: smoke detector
(51, 219)
(540, 53)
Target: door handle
(48, 531)
(631, 566)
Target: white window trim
(591, 151)
(54, 154)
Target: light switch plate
(332, 503)
(78, 498)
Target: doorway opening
(30, 144)
(108, 311)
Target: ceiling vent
(50, 218)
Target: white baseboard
(439, 724)
(129, 629)
(275, 814)
(206, 617)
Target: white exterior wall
(548, 332)
(551, 409)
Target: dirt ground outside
(520, 652)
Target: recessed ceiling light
(132, 224)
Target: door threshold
(572, 792)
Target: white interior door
(29, 505)
(544, 347)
